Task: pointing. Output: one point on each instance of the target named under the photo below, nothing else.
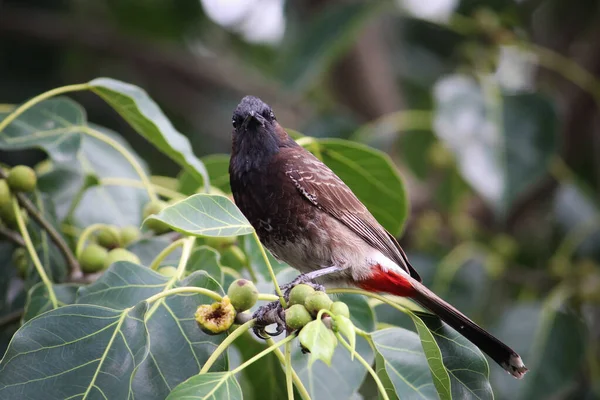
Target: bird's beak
(253, 116)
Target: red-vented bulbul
(306, 216)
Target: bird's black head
(257, 136)
(251, 114)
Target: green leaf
(405, 364)
(217, 166)
(264, 379)
(319, 340)
(178, 348)
(148, 248)
(372, 177)
(51, 125)
(502, 149)
(440, 375)
(38, 301)
(205, 215)
(330, 33)
(212, 385)
(75, 351)
(346, 327)
(465, 364)
(117, 205)
(205, 258)
(553, 371)
(144, 115)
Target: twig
(12, 236)
(11, 317)
(75, 271)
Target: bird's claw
(271, 313)
(300, 279)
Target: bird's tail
(498, 351)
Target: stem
(33, 254)
(379, 297)
(58, 240)
(270, 268)
(84, 235)
(267, 297)
(288, 371)
(185, 256)
(127, 155)
(13, 236)
(23, 107)
(299, 385)
(165, 252)
(186, 289)
(160, 190)
(364, 362)
(263, 353)
(226, 343)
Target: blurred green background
(490, 110)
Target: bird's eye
(234, 123)
(271, 114)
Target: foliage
(497, 157)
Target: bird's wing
(325, 190)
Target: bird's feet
(300, 279)
(273, 313)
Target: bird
(306, 216)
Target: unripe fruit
(243, 294)
(22, 179)
(234, 257)
(108, 237)
(215, 318)
(20, 260)
(128, 235)
(92, 258)
(299, 293)
(120, 255)
(5, 195)
(155, 207)
(220, 242)
(317, 301)
(297, 316)
(340, 308)
(168, 271)
(7, 215)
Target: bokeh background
(490, 110)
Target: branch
(12, 236)
(75, 271)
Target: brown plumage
(308, 217)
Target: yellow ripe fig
(215, 318)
